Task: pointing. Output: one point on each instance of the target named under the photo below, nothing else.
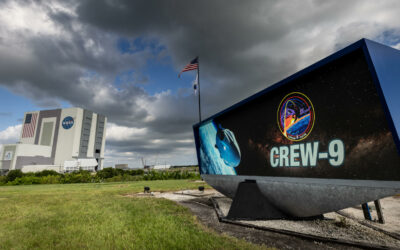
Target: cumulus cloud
(122, 133)
(10, 134)
(52, 51)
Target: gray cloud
(244, 46)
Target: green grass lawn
(93, 216)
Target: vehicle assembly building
(61, 139)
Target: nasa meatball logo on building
(68, 122)
(296, 116)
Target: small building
(157, 167)
(122, 166)
(161, 166)
(60, 139)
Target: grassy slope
(92, 216)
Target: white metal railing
(77, 168)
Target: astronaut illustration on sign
(227, 146)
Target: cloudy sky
(122, 58)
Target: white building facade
(60, 139)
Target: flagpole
(198, 83)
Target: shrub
(13, 174)
(25, 180)
(50, 179)
(134, 172)
(16, 177)
(170, 175)
(125, 177)
(107, 173)
(81, 176)
(3, 179)
(46, 173)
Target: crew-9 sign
(319, 126)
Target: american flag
(194, 64)
(29, 125)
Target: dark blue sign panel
(328, 122)
(68, 122)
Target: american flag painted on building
(29, 125)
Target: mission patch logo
(296, 116)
